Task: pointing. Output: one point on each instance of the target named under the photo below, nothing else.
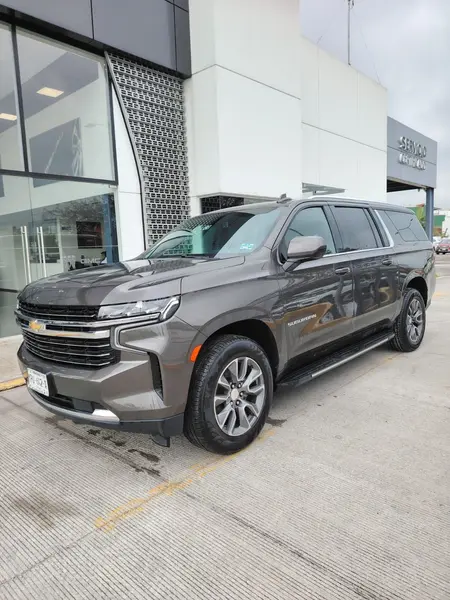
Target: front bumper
(164, 428)
(146, 390)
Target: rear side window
(403, 227)
(357, 229)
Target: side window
(357, 231)
(405, 225)
(309, 221)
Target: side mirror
(306, 248)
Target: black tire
(402, 341)
(201, 426)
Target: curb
(11, 384)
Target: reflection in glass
(10, 138)
(66, 109)
(51, 229)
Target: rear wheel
(230, 395)
(409, 327)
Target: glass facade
(57, 168)
(11, 156)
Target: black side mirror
(305, 248)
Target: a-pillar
(429, 212)
(243, 101)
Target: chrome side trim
(349, 358)
(386, 230)
(101, 414)
(115, 340)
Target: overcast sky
(404, 44)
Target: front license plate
(38, 382)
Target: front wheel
(409, 327)
(230, 395)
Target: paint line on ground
(11, 384)
(136, 505)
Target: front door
(374, 266)
(316, 298)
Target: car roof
(288, 202)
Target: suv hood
(121, 282)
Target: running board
(328, 363)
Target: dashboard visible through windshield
(217, 235)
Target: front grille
(75, 351)
(59, 313)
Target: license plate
(38, 382)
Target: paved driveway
(345, 495)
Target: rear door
(374, 265)
(315, 305)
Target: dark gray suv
(193, 335)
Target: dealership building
(120, 119)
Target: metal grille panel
(218, 202)
(155, 110)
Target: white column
(243, 101)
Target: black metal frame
(21, 118)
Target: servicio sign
(412, 153)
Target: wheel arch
(254, 328)
(417, 282)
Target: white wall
(243, 106)
(344, 117)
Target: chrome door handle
(386, 261)
(40, 236)
(26, 253)
(342, 271)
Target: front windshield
(217, 235)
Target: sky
(405, 45)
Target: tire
(407, 338)
(203, 413)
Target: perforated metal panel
(218, 202)
(155, 109)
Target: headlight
(155, 310)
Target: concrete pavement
(345, 495)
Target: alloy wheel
(414, 321)
(239, 396)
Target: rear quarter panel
(416, 260)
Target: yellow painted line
(12, 383)
(167, 488)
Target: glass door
(49, 227)
(15, 265)
(73, 226)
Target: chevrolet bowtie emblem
(36, 326)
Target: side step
(328, 363)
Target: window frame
(371, 214)
(403, 212)
(335, 234)
(26, 171)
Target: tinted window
(217, 234)
(357, 232)
(403, 227)
(310, 221)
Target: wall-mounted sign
(412, 153)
